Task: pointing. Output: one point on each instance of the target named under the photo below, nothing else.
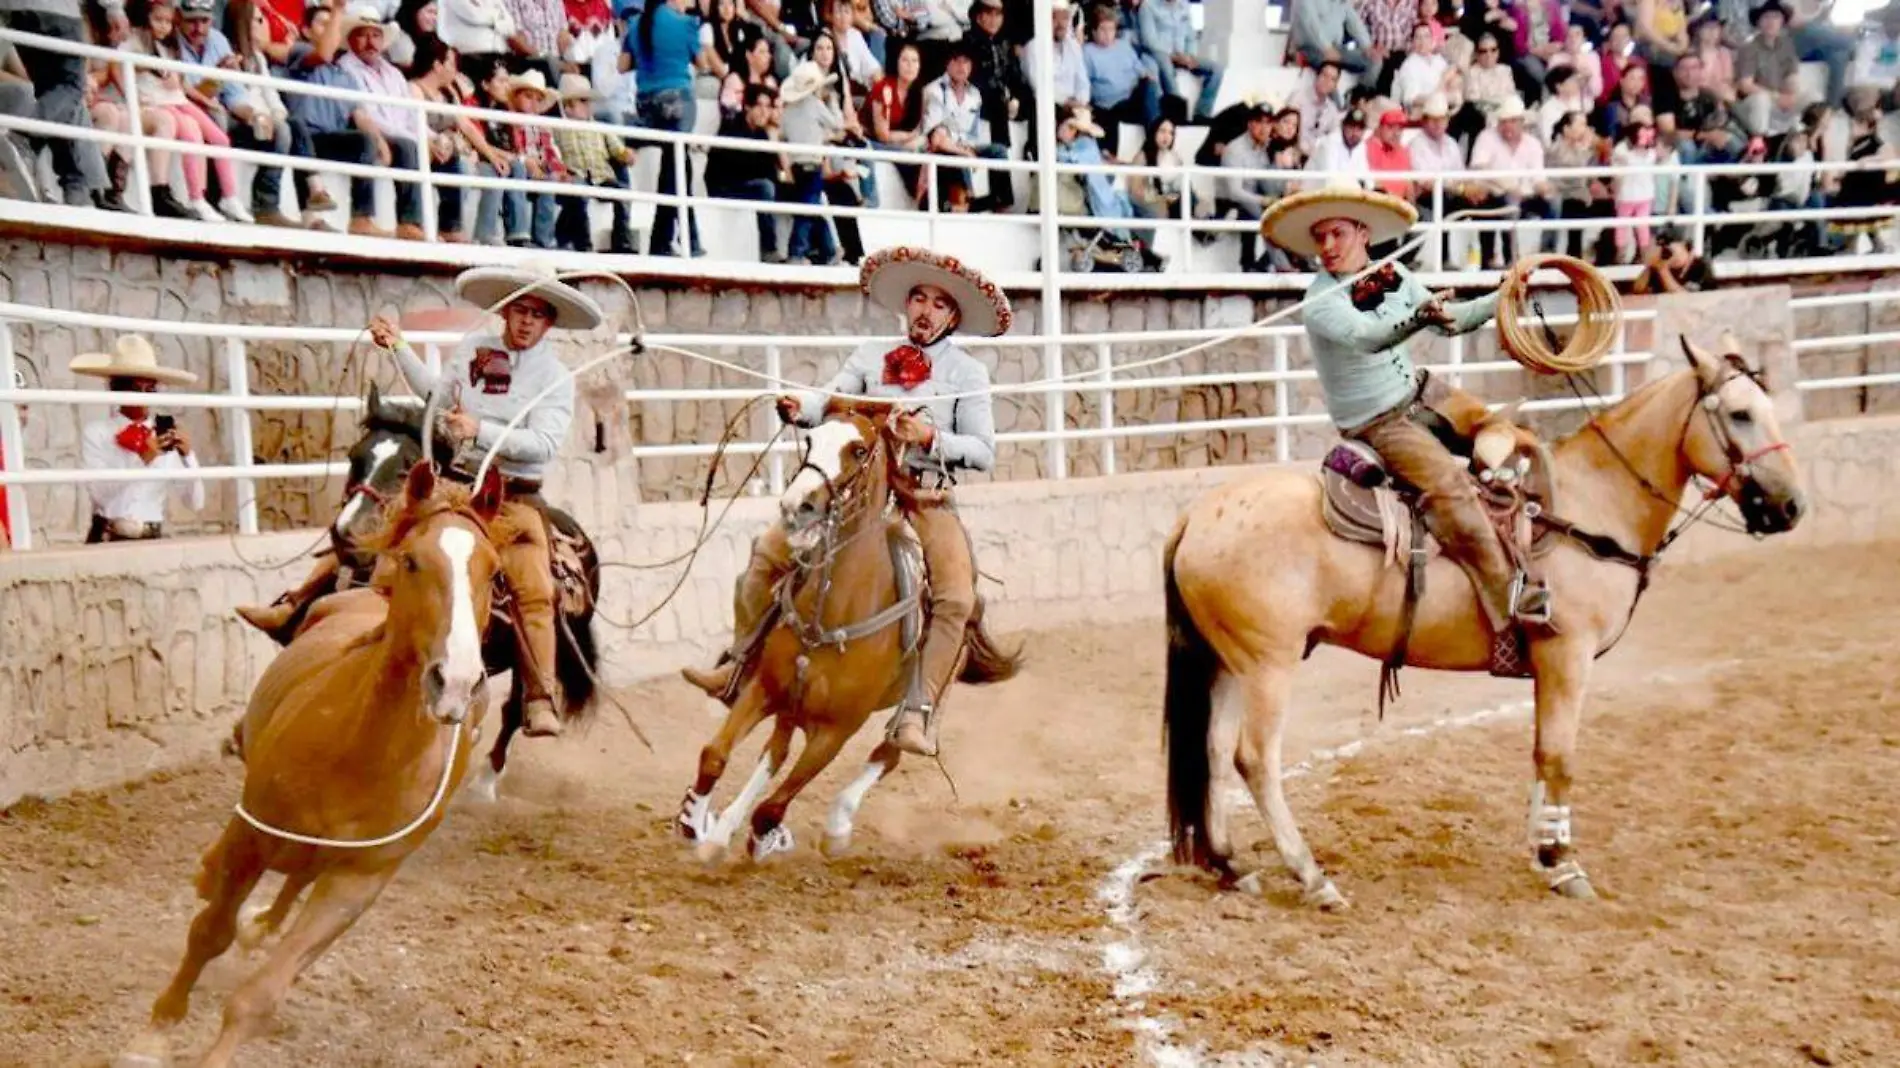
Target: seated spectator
(1876, 58)
(1386, 151)
(1247, 195)
(1579, 196)
(1592, 18)
(1122, 85)
(59, 87)
(436, 77)
(529, 218)
(1077, 142)
(1579, 55)
(132, 438)
(539, 26)
(1434, 151)
(1673, 267)
(1165, 33)
(590, 28)
(1636, 146)
(19, 160)
(1693, 97)
(997, 73)
(862, 67)
(1798, 190)
(1617, 55)
(1538, 39)
(953, 126)
(897, 115)
(1331, 31)
(1864, 188)
(1159, 196)
(755, 68)
(737, 174)
(165, 91)
(592, 158)
(1320, 104)
(1762, 64)
(478, 30)
(261, 120)
(1632, 91)
(1662, 38)
(724, 39)
(1563, 94)
(946, 23)
(1422, 72)
(1718, 59)
(1506, 147)
(1784, 111)
(329, 123)
(1071, 76)
(199, 43)
(390, 129)
(1489, 82)
(413, 21)
(1341, 152)
(494, 148)
(1490, 18)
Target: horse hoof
(709, 853)
(251, 931)
(776, 840)
(835, 845)
(1568, 880)
(149, 1051)
(1327, 898)
(482, 786)
(1246, 884)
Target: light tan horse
(1255, 579)
(837, 651)
(360, 728)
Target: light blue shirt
(217, 46)
(1114, 72)
(1364, 367)
(966, 426)
(1165, 27)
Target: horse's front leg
(1562, 668)
(487, 778)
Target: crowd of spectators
(1437, 87)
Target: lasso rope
(441, 791)
(1598, 313)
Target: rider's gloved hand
(384, 333)
(789, 408)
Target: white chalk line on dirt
(1126, 960)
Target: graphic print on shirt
(492, 370)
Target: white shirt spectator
(1331, 156)
(474, 27)
(961, 112)
(1490, 153)
(862, 67)
(139, 502)
(1435, 155)
(1419, 77)
(1072, 72)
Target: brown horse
(1255, 579)
(355, 735)
(838, 651)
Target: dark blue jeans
(673, 110)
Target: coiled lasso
(1598, 311)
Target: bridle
(844, 501)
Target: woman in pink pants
(164, 93)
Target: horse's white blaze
(379, 455)
(826, 448)
(844, 811)
(462, 658)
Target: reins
(844, 504)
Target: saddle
(1361, 501)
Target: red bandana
(906, 367)
(134, 437)
(492, 370)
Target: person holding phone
(132, 437)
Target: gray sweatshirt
(966, 427)
(527, 450)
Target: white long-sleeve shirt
(140, 502)
(528, 449)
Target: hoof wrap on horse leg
(1551, 848)
(844, 811)
(483, 785)
(772, 842)
(695, 818)
(1326, 897)
(153, 1049)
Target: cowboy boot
(271, 618)
(538, 718)
(716, 679)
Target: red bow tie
(906, 367)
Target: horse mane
(396, 528)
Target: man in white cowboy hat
(131, 438)
(1375, 394)
(390, 127)
(936, 295)
(488, 380)
(1507, 146)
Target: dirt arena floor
(1737, 810)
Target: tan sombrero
(888, 275)
(364, 17)
(489, 286)
(806, 79)
(532, 81)
(132, 356)
(1289, 222)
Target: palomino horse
(838, 650)
(1255, 579)
(351, 736)
(390, 445)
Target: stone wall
(165, 668)
(593, 473)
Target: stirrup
(1529, 604)
(925, 711)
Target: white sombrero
(490, 286)
(888, 276)
(1289, 222)
(806, 78)
(364, 17)
(132, 356)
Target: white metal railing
(1093, 353)
(1691, 183)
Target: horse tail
(1189, 703)
(986, 662)
(577, 665)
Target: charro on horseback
(487, 382)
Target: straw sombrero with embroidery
(132, 356)
(1289, 222)
(488, 287)
(889, 275)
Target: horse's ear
(487, 499)
(420, 485)
(373, 407)
(1699, 358)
